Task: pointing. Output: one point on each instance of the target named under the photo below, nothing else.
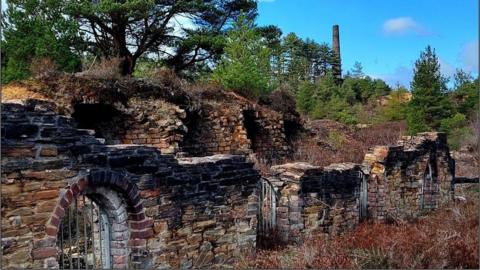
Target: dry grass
(19, 91)
(447, 238)
(41, 67)
(106, 69)
(336, 143)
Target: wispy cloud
(402, 26)
(401, 75)
(468, 56)
(447, 69)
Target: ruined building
(98, 176)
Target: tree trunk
(128, 65)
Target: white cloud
(403, 25)
(468, 56)
(401, 75)
(446, 68)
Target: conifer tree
(430, 103)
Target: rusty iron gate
(268, 205)
(84, 236)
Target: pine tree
(245, 65)
(305, 97)
(34, 30)
(430, 103)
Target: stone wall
(190, 212)
(236, 126)
(411, 178)
(394, 182)
(316, 200)
(171, 118)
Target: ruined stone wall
(235, 127)
(216, 130)
(316, 200)
(394, 182)
(411, 178)
(171, 118)
(192, 212)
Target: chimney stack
(337, 66)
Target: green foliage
(457, 130)
(336, 139)
(466, 94)
(396, 107)
(130, 29)
(357, 70)
(381, 88)
(457, 121)
(245, 65)
(430, 103)
(295, 60)
(337, 109)
(35, 29)
(305, 100)
(146, 68)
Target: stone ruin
(155, 205)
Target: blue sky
(385, 36)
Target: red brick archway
(140, 227)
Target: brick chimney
(337, 65)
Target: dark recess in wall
(192, 141)
(97, 117)
(252, 128)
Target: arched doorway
(94, 232)
(107, 210)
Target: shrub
(40, 67)
(447, 238)
(305, 98)
(106, 68)
(344, 144)
(280, 100)
(457, 129)
(395, 108)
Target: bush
(40, 67)
(106, 68)
(457, 129)
(305, 97)
(280, 100)
(336, 109)
(447, 238)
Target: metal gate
(363, 196)
(84, 236)
(430, 189)
(268, 205)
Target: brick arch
(139, 227)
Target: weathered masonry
(396, 182)
(414, 177)
(70, 201)
(174, 121)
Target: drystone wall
(163, 212)
(316, 200)
(411, 178)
